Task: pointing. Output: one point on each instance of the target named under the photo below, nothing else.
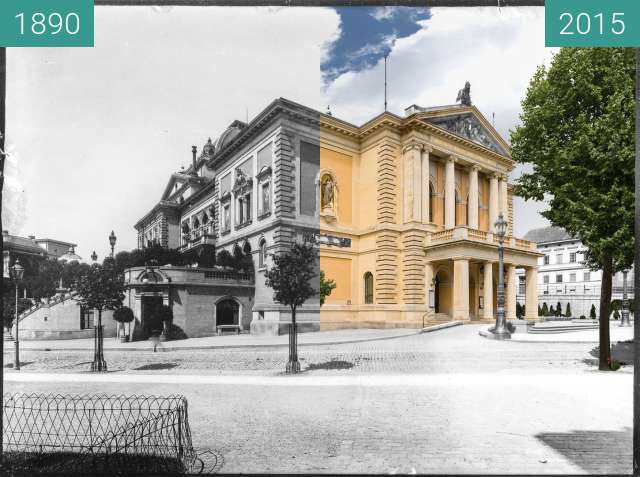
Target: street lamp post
(500, 331)
(112, 242)
(18, 273)
(624, 321)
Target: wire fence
(98, 433)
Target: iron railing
(71, 434)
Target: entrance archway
(227, 312)
(151, 322)
(443, 293)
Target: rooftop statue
(464, 95)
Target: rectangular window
(572, 277)
(587, 276)
(226, 217)
(265, 204)
(572, 257)
(545, 260)
(309, 168)
(559, 258)
(86, 318)
(545, 279)
(559, 278)
(264, 157)
(521, 286)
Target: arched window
(262, 256)
(368, 288)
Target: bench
(221, 328)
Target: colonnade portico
(472, 285)
(417, 196)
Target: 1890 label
(29, 23)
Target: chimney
(194, 150)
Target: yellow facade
(417, 197)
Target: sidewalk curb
(161, 349)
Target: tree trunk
(293, 365)
(605, 309)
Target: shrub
(174, 332)
(124, 314)
(559, 309)
(165, 314)
(592, 312)
(545, 309)
(582, 317)
(616, 315)
(567, 312)
(518, 310)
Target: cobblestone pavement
(549, 423)
(458, 349)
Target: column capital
(451, 158)
(414, 144)
(474, 167)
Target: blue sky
(366, 35)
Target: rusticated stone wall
(413, 261)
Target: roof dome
(70, 256)
(227, 136)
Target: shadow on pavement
(337, 364)
(622, 352)
(155, 367)
(596, 452)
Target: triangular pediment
(175, 179)
(469, 126)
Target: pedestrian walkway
(232, 340)
(616, 332)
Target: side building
(252, 190)
(564, 278)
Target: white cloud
(496, 50)
(99, 130)
(383, 13)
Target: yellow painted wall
(366, 189)
(341, 167)
(338, 270)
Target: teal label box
(45, 23)
(586, 23)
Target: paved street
(442, 402)
(452, 350)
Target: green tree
(559, 309)
(592, 312)
(552, 312)
(578, 123)
(567, 312)
(545, 309)
(101, 288)
(518, 310)
(291, 279)
(123, 315)
(326, 286)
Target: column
(493, 201)
(510, 292)
(461, 289)
(416, 185)
(428, 278)
(425, 184)
(504, 200)
(449, 194)
(531, 294)
(487, 311)
(412, 191)
(473, 197)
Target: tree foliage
(326, 287)
(101, 288)
(567, 312)
(577, 131)
(124, 314)
(592, 312)
(292, 275)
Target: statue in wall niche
(327, 192)
(464, 95)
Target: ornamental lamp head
(501, 227)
